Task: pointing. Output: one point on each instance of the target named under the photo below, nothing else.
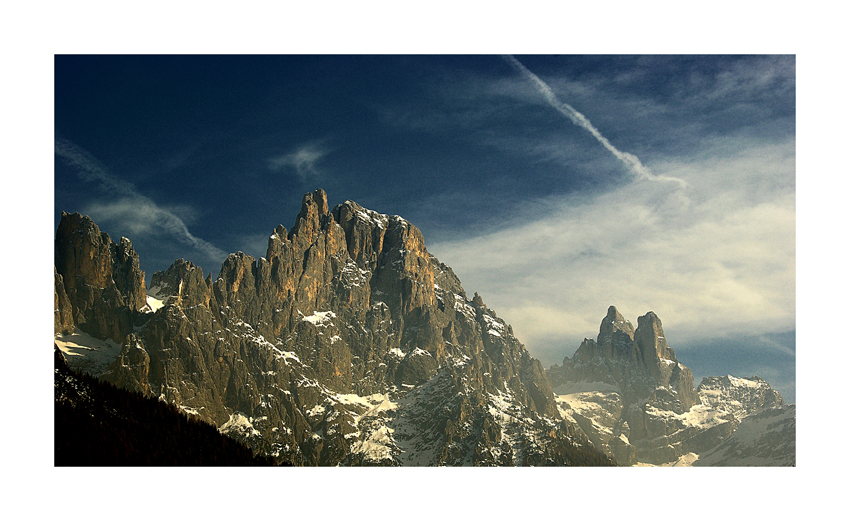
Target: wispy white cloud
(89, 169)
(713, 252)
(751, 79)
(631, 161)
(304, 160)
(131, 210)
(719, 263)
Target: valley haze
(554, 186)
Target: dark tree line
(98, 424)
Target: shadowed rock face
(101, 280)
(660, 362)
(634, 399)
(348, 343)
(63, 311)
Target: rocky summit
(636, 402)
(347, 344)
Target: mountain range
(349, 344)
(636, 401)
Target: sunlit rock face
(347, 344)
(633, 398)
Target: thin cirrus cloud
(717, 264)
(303, 160)
(134, 212)
(703, 234)
(712, 252)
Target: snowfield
(582, 387)
(685, 460)
(320, 318)
(86, 353)
(764, 438)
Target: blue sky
(554, 185)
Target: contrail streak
(90, 169)
(629, 160)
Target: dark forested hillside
(98, 424)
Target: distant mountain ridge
(347, 344)
(636, 402)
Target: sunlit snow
(86, 353)
(320, 317)
(685, 460)
(238, 422)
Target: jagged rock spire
(621, 352)
(650, 335)
(314, 206)
(616, 335)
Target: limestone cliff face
(101, 280)
(348, 343)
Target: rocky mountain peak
(277, 239)
(615, 335)
(364, 232)
(82, 252)
(182, 284)
(650, 337)
(740, 395)
(613, 315)
(314, 210)
(638, 361)
(614, 322)
(347, 344)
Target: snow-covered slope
(87, 354)
(765, 438)
(739, 396)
